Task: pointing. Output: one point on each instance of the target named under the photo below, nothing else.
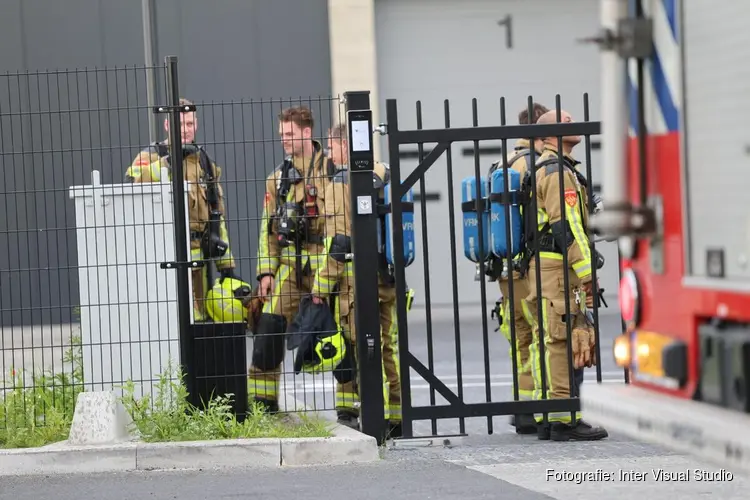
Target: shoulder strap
(331, 168)
(160, 148)
(288, 175)
(522, 152)
(519, 154)
(581, 178)
(572, 166)
(212, 193)
(341, 176)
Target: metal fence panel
(493, 208)
(114, 283)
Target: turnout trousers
(554, 331)
(347, 385)
(523, 321)
(389, 343)
(269, 340)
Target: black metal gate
(456, 406)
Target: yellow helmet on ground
(227, 301)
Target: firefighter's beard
(297, 149)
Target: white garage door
(432, 50)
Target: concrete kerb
(344, 446)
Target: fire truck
(675, 185)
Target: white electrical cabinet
(128, 304)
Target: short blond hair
(339, 132)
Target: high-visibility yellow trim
(551, 255)
(322, 286)
(393, 333)
(289, 257)
(394, 413)
(272, 305)
(347, 400)
(582, 269)
(261, 388)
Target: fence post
(182, 262)
(364, 233)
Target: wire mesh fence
(70, 309)
(88, 295)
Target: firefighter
(552, 239)
(290, 246)
(338, 273)
(209, 238)
(518, 159)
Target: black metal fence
(497, 230)
(95, 286)
(106, 281)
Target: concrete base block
(339, 449)
(99, 418)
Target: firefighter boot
(580, 431)
(348, 419)
(543, 430)
(524, 424)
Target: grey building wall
(63, 115)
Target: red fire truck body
(677, 187)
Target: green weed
(41, 414)
(168, 416)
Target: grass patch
(169, 417)
(41, 413)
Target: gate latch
(370, 346)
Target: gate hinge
(381, 129)
(634, 38)
(196, 264)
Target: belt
(196, 235)
(547, 244)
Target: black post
(183, 264)
(364, 232)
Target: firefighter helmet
(326, 354)
(227, 301)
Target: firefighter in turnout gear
(290, 247)
(335, 280)
(554, 238)
(209, 238)
(389, 343)
(518, 159)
